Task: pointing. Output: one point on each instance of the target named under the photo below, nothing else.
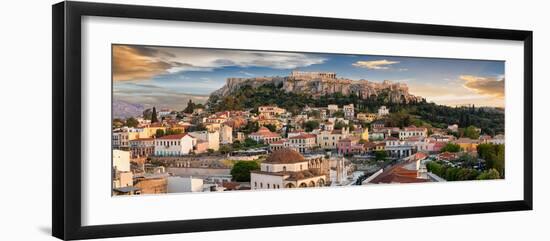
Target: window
(284, 168)
(268, 186)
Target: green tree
(224, 149)
(491, 174)
(241, 170)
(471, 132)
(154, 118)
(190, 107)
(271, 127)
(132, 122)
(338, 114)
(311, 125)
(249, 142)
(450, 147)
(117, 123)
(159, 133)
(380, 155)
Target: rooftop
(173, 137)
(285, 156)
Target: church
(287, 168)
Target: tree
(190, 107)
(271, 127)
(117, 123)
(132, 122)
(450, 147)
(471, 132)
(241, 170)
(224, 149)
(210, 150)
(380, 155)
(311, 125)
(491, 174)
(249, 142)
(493, 156)
(338, 114)
(159, 133)
(154, 118)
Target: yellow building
(366, 117)
(151, 130)
(365, 134)
(467, 144)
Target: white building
(412, 131)
(398, 148)
(498, 139)
(122, 176)
(382, 111)
(332, 108)
(301, 143)
(121, 160)
(212, 137)
(349, 111)
(174, 145)
(226, 134)
(177, 184)
(289, 169)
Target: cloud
(491, 86)
(142, 63)
(132, 64)
(376, 64)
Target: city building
(265, 135)
(212, 137)
(226, 134)
(382, 111)
(467, 144)
(176, 184)
(366, 117)
(271, 111)
(329, 139)
(142, 147)
(349, 111)
(302, 143)
(498, 139)
(349, 146)
(287, 168)
(398, 148)
(174, 145)
(413, 131)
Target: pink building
(350, 145)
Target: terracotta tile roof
(175, 136)
(398, 174)
(285, 156)
(279, 142)
(304, 136)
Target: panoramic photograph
(187, 120)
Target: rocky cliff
(318, 84)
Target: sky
(169, 76)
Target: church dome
(285, 156)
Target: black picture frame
(66, 75)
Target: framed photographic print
(169, 120)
